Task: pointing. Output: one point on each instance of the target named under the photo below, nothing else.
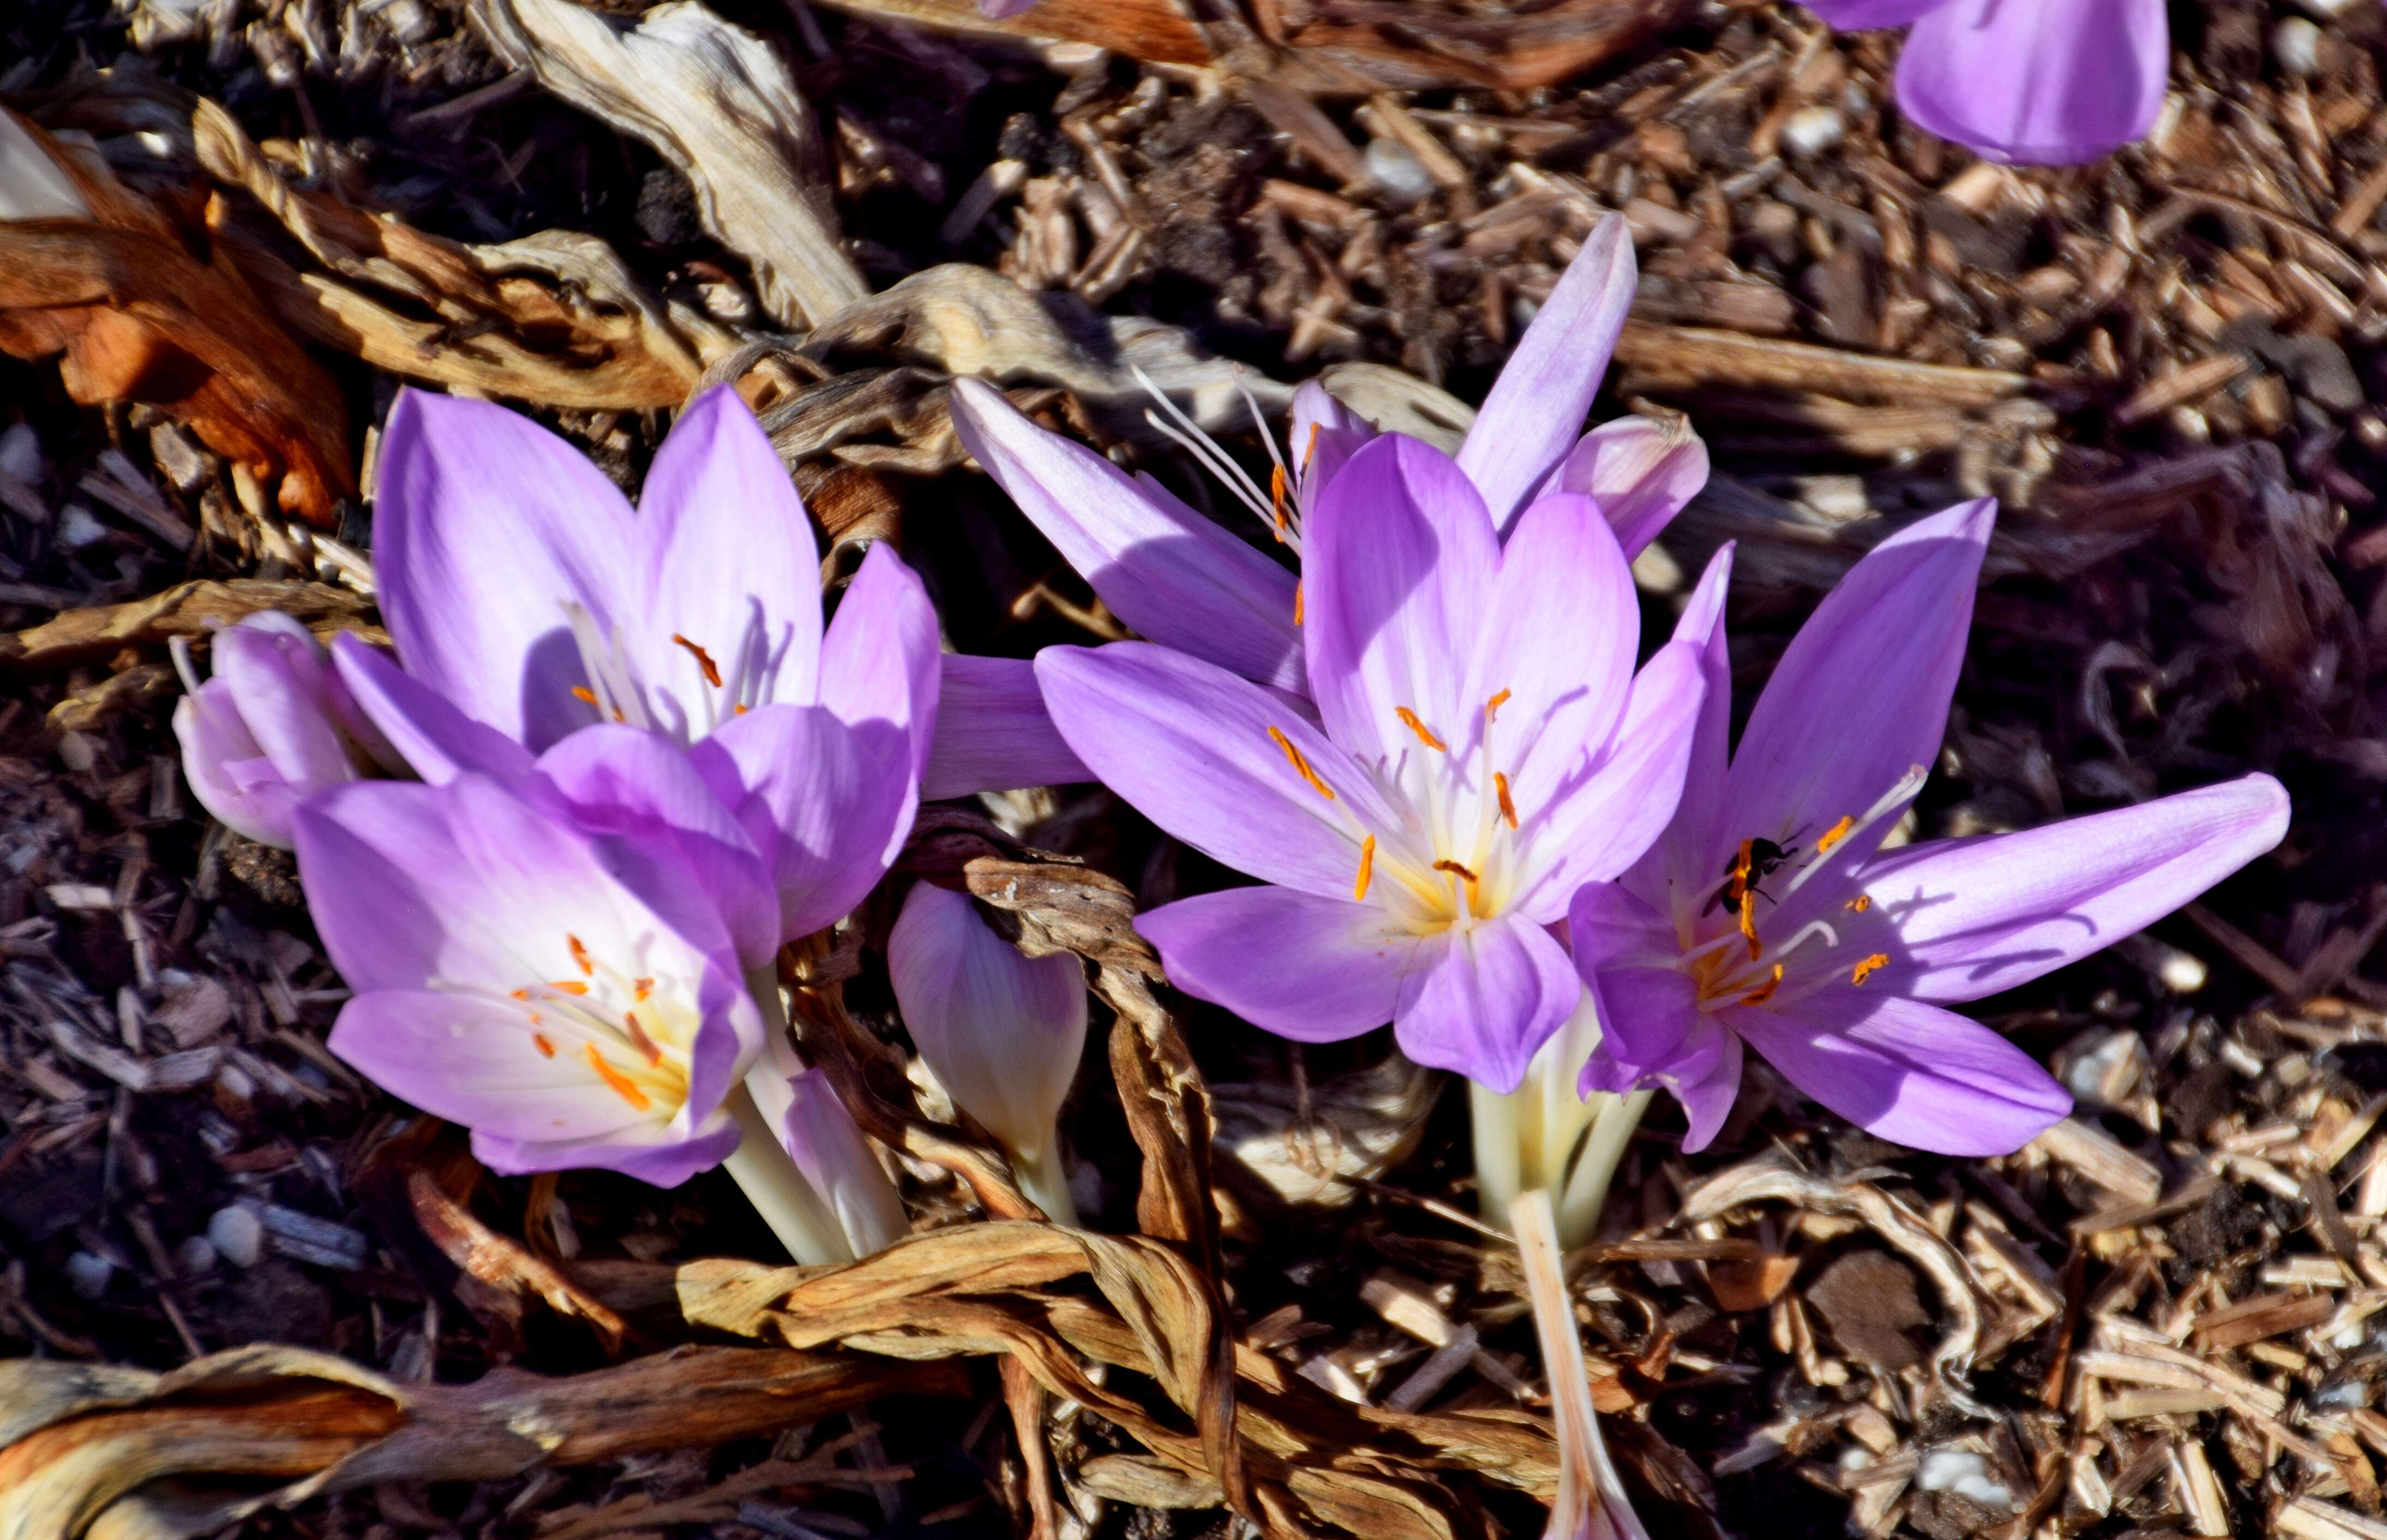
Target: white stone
(236, 1235)
(1396, 167)
(88, 1274)
(195, 1258)
(21, 452)
(2295, 43)
(1812, 130)
(78, 527)
(1965, 1473)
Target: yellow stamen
(1508, 808)
(580, 956)
(1300, 764)
(1834, 835)
(1456, 867)
(703, 660)
(1409, 719)
(1860, 904)
(1492, 707)
(1296, 604)
(622, 1086)
(1864, 969)
(569, 986)
(1366, 868)
(1764, 992)
(582, 692)
(1276, 500)
(545, 1045)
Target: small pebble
(195, 1258)
(236, 1235)
(77, 528)
(2327, 10)
(2295, 43)
(1965, 1473)
(1396, 168)
(88, 1274)
(1813, 129)
(21, 452)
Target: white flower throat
(633, 1032)
(659, 696)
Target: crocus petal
(656, 1155)
(1324, 436)
(1397, 566)
(435, 738)
(277, 682)
(1907, 1071)
(487, 525)
(2045, 82)
(993, 733)
(663, 831)
(1003, 1031)
(1535, 409)
(472, 1062)
(1679, 873)
(828, 1148)
(1597, 818)
(825, 802)
(731, 564)
(1176, 576)
(1190, 745)
(1649, 1025)
(1861, 696)
(1641, 472)
(1312, 969)
(1857, 16)
(881, 662)
(228, 772)
(1481, 1002)
(1974, 917)
(998, 10)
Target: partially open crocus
(1187, 582)
(2040, 82)
(1769, 915)
(527, 600)
(1481, 747)
(1001, 1031)
(273, 726)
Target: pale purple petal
(485, 526)
(277, 681)
(1857, 16)
(1308, 968)
(1536, 408)
(1397, 566)
(1974, 916)
(828, 803)
(661, 828)
(1680, 871)
(228, 772)
(880, 663)
(1188, 744)
(435, 738)
(998, 10)
(1607, 808)
(829, 1150)
(1906, 1071)
(1004, 1031)
(1176, 576)
(1324, 436)
(2044, 83)
(993, 733)
(1641, 472)
(1481, 1002)
(474, 1062)
(653, 1152)
(728, 561)
(1861, 695)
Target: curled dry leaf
(137, 306)
(125, 1453)
(192, 608)
(714, 101)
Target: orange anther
(1409, 719)
(640, 989)
(1508, 808)
(1296, 604)
(645, 1046)
(1865, 969)
(545, 1045)
(1764, 992)
(703, 660)
(1834, 835)
(1276, 502)
(1860, 904)
(579, 955)
(1454, 867)
(569, 986)
(1492, 707)
(622, 1086)
(1300, 764)
(1367, 867)
(582, 692)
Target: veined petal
(1003, 1031)
(1906, 1071)
(829, 1150)
(1324, 435)
(1594, 819)
(654, 1153)
(1482, 1001)
(729, 563)
(1974, 916)
(1398, 565)
(277, 682)
(473, 1062)
(429, 732)
(993, 733)
(1312, 969)
(2044, 83)
(486, 526)
(1536, 408)
(1197, 750)
(828, 803)
(881, 662)
(1641, 472)
(1680, 871)
(1174, 575)
(1861, 695)
(228, 772)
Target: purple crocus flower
(2041, 82)
(272, 727)
(1182, 580)
(575, 998)
(530, 602)
(1769, 915)
(1481, 748)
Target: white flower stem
(1584, 1195)
(1044, 1179)
(778, 1192)
(1544, 1136)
